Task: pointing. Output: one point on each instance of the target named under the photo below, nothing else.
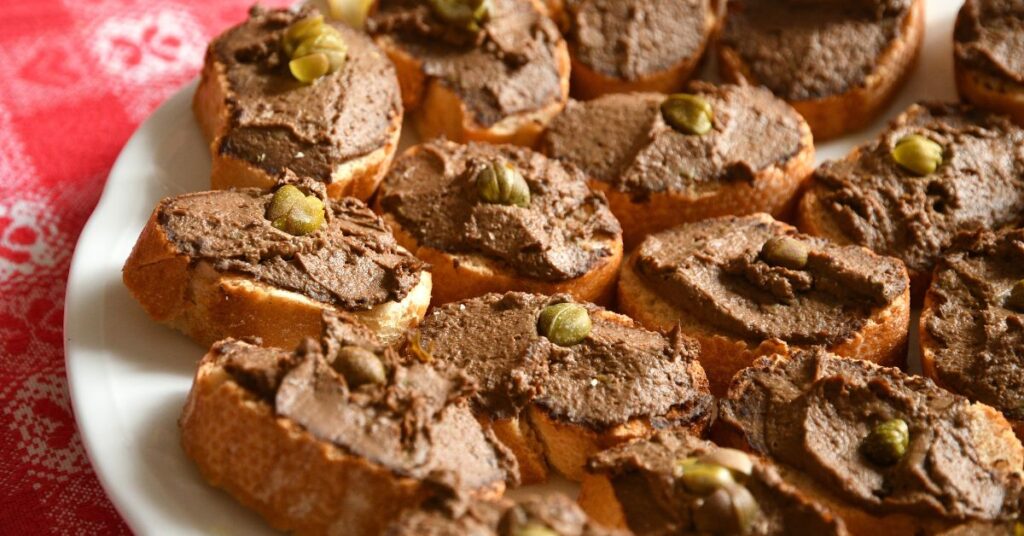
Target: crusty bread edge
(207, 305)
(357, 177)
(273, 466)
(989, 92)
(854, 109)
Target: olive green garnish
(734, 460)
(887, 442)
(501, 183)
(689, 114)
(917, 154)
(730, 509)
(701, 478)
(1015, 299)
(294, 212)
(534, 529)
(467, 14)
(564, 324)
(315, 48)
(360, 366)
(785, 251)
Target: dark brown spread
(564, 232)
(507, 68)
(713, 271)
(629, 145)
(352, 261)
(619, 372)
(989, 37)
(277, 122)
(813, 412)
(874, 202)
(979, 338)
(654, 501)
(464, 517)
(804, 50)
(417, 424)
(633, 39)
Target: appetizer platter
(568, 267)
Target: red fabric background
(77, 77)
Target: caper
(468, 14)
(730, 509)
(360, 366)
(299, 31)
(887, 442)
(295, 213)
(308, 68)
(502, 184)
(534, 529)
(689, 114)
(703, 478)
(734, 460)
(1018, 529)
(785, 251)
(325, 41)
(917, 154)
(352, 12)
(1015, 298)
(564, 324)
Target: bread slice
(436, 111)
(588, 83)
(989, 92)
(882, 340)
(207, 305)
(774, 190)
(835, 115)
(357, 178)
(928, 347)
(274, 466)
(461, 276)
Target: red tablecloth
(76, 78)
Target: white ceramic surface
(129, 376)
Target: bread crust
(597, 498)
(990, 92)
(929, 346)
(835, 115)
(774, 190)
(357, 177)
(588, 83)
(462, 276)
(437, 111)
(275, 467)
(540, 441)
(882, 340)
(191, 296)
(989, 430)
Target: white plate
(129, 377)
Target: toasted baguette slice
(357, 177)
(588, 83)
(207, 305)
(989, 92)
(436, 110)
(835, 115)
(274, 466)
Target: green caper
(502, 184)
(1015, 298)
(689, 114)
(703, 478)
(299, 31)
(917, 154)
(534, 529)
(295, 213)
(785, 251)
(1018, 529)
(731, 509)
(308, 68)
(360, 366)
(468, 14)
(352, 12)
(734, 460)
(325, 41)
(565, 324)
(887, 442)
